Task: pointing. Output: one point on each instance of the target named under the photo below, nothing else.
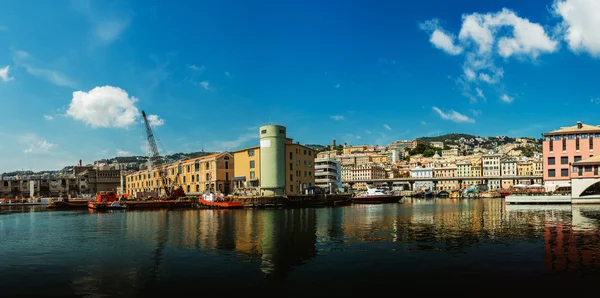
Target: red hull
(229, 205)
(376, 199)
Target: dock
(521, 199)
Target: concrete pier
(521, 199)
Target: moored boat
(376, 196)
(226, 205)
(67, 204)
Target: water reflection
(147, 252)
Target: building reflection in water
(573, 245)
(277, 241)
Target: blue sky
(75, 75)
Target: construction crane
(155, 160)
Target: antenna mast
(155, 159)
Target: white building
(419, 172)
(491, 168)
(328, 174)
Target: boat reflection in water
(299, 252)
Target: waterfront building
(508, 167)
(211, 173)
(278, 166)
(565, 146)
(585, 179)
(246, 173)
(446, 172)
(491, 168)
(328, 174)
(419, 172)
(364, 172)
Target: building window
(577, 144)
(291, 188)
(252, 164)
(251, 152)
(291, 166)
(564, 160)
(226, 176)
(184, 179)
(571, 137)
(197, 166)
(551, 160)
(551, 145)
(282, 131)
(197, 187)
(557, 138)
(584, 136)
(193, 178)
(309, 153)
(595, 170)
(291, 156)
(577, 158)
(304, 151)
(575, 169)
(588, 168)
(551, 173)
(291, 177)
(226, 165)
(252, 175)
(564, 144)
(264, 131)
(564, 172)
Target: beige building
(446, 172)
(299, 169)
(450, 153)
(211, 173)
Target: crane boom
(155, 159)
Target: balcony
(326, 180)
(327, 166)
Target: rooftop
(578, 128)
(594, 160)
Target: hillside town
(330, 168)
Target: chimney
(579, 125)
(333, 143)
(80, 162)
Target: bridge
(411, 181)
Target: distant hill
(451, 137)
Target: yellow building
(208, 173)
(299, 166)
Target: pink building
(565, 146)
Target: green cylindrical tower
(272, 160)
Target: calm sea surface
(479, 248)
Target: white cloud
(423, 123)
(476, 112)
(23, 59)
(580, 24)
(233, 144)
(205, 85)
(453, 116)
(480, 93)
(469, 74)
(387, 127)
(194, 67)
(337, 117)
(595, 100)
(507, 99)
(48, 117)
(4, 74)
(104, 28)
(227, 74)
(336, 86)
(485, 38)
(123, 153)
(368, 132)
(35, 144)
(155, 121)
(441, 39)
(3, 28)
(109, 30)
(104, 106)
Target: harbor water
(472, 248)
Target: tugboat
(376, 196)
(217, 201)
(103, 200)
